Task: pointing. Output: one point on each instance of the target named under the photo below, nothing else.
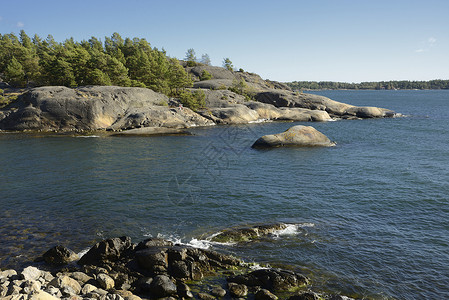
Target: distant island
(436, 84)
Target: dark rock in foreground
(299, 136)
(154, 269)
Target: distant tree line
(26, 62)
(379, 85)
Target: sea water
(368, 218)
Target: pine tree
(205, 59)
(227, 63)
(14, 73)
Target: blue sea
(369, 217)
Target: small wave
(87, 136)
(260, 121)
(291, 229)
(82, 252)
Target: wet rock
(180, 270)
(237, 290)
(242, 234)
(184, 290)
(144, 284)
(60, 255)
(31, 273)
(153, 242)
(109, 250)
(162, 286)
(309, 295)
(153, 259)
(271, 279)
(340, 297)
(264, 294)
(298, 136)
(105, 281)
(205, 296)
(218, 291)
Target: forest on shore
(28, 62)
(436, 84)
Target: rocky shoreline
(119, 109)
(155, 268)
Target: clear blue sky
(283, 40)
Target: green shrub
(205, 75)
(242, 88)
(191, 63)
(193, 100)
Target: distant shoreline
(437, 84)
(311, 90)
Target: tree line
(26, 62)
(375, 85)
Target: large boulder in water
(302, 136)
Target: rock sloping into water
(247, 233)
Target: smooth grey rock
(95, 108)
(299, 136)
(285, 98)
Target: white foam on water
(82, 252)
(260, 121)
(87, 136)
(291, 229)
(255, 266)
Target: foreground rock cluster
(153, 269)
(111, 108)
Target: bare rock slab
(299, 136)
